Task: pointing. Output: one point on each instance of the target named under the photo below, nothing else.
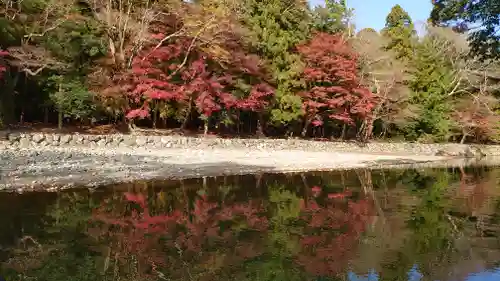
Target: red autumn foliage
(258, 99)
(333, 88)
(2, 66)
(165, 73)
(159, 74)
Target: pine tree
(276, 27)
(400, 30)
(334, 17)
(433, 75)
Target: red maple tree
(161, 74)
(333, 89)
(178, 74)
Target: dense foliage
(481, 18)
(250, 67)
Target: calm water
(411, 225)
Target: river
(401, 225)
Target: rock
(13, 137)
(27, 136)
(453, 151)
(129, 140)
(4, 134)
(102, 143)
(43, 143)
(474, 152)
(38, 138)
(141, 141)
(108, 139)
(122, 145)
(24, 143)
(49, 138)
(65, 139)
(117, 139)
(458, 151)
(78, 139)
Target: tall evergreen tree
(400, 30)
(334, 17)
(276, 27)
(430, 71)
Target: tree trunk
(368, 130)
(238, 125)
(205, 126)
(59, 119)
(464, 136)
(155, 113)
(305, 128)
(59, 112)
(21, 116)
(188, 114)
(260, 129)
(7, 105)
(344, 131)
(46, 115)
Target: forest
(275, 68)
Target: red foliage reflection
(198, 235)
(331, 233)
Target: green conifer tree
(276, 27)
(334, 17)
(400, 30)
(432, 74)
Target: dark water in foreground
(411, 225)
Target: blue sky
(372, 13)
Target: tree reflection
(313, 226)
(210, 238)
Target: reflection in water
(358, 225)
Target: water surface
(401, 225)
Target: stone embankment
(40, 140)
(47, 161)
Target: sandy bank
(57, 166)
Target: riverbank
(48, 160)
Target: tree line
(273, 67)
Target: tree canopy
(271, 68)
(481, 19)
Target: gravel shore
(56, 167)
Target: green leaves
(276, 27)
(71, 97)
(465, 15)
(334, 18)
